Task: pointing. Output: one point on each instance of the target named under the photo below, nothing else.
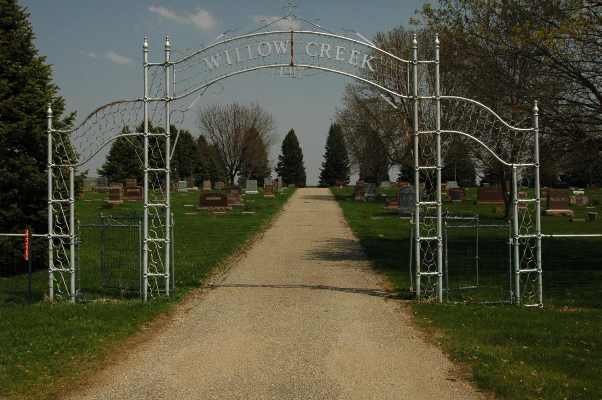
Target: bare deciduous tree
(227, 128)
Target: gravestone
(452, 185)
(393, 204)
(132, 191)
(220, 185)
(234, 198)
(558, 203)
(89, 185)
(558, 199)
(213, 200)
(456, 194)
(251, 187)
(206, 185)
(370, 191)
(339, 183)
(385, 185)
(359, 192)
(182, 187)
(268, 190)
(131, 183)
(407, 200)
(581, 200)
(490, 195)
(115, 195)
(102, 184)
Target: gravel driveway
(300, 316)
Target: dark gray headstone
(407, 200)
(370, 191)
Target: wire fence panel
(22, 281)
(573, 272)
(477, 260)
(109, 257)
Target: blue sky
(95, 49)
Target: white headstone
(452, 185)
(251, 187)
(182, 186)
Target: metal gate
(109, 257)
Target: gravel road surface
(300, 316)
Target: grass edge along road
(517, 353)
(46, 348)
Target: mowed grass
(517, 353)
(45, 348)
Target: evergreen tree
(186, 158)
(123, 159)
(374, 162)
(26, 89)
(254, 161)
(459, 165)
(210, 166)
(336, 160)
(290, 162)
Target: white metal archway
(170, 85)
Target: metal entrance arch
(172, 87)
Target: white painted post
(167, 166)
(439, 167)
(538, 205)
(50, 208)
(418, 257)
(72, 233)
(146, 197)
(515, 234)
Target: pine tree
(26, 89)
(125, 158)
(210, 166)
(290, 162)
(254, 161)
(186, 158)
(336, 159)
(459, 165)
(122, 161)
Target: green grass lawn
(518, 353)
(44, 347)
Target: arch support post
(538, 206)
(418, 257)
(145, 244)
(516, 236)
(439, 167)
(61, 218)
(168, 236)
(50, 208)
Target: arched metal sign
(172, 86)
